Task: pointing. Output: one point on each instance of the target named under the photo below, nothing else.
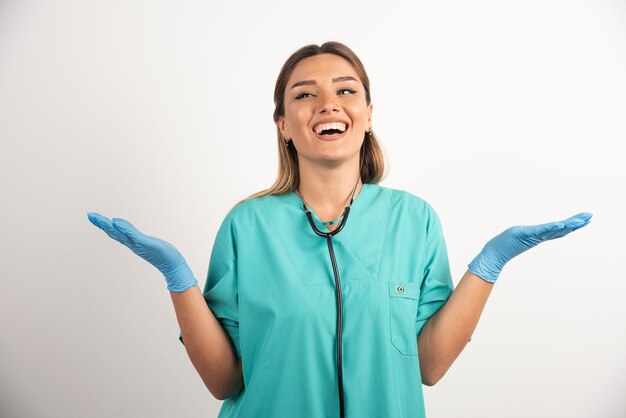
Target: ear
(370, 107)
(282, 126)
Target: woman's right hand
(159, 253)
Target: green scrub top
(271, 285)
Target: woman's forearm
(207, 343)
(447, 332)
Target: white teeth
(333, 125)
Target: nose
(328, 103)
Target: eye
(350, 91)
(302, 95)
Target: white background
(498, 113)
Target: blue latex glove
(157, 252)
(517, 239)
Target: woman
(313, 314)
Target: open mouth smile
(329, 131)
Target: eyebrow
(335, 80)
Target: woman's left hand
(517, 239)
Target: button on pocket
(403, 297)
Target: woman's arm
(447, 332)
(207, 344)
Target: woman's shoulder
(415, 209)
(243, 209)
(406, 200)
(239, 217)
(251, 207)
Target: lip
(330, 121)
(333, 137)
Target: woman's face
(326, 114)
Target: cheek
(300, 118)
(359, 113)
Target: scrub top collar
(359, 200)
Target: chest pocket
(403, 297)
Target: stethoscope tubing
(333, 260)
(329, 239)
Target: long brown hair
(372, 161)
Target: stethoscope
(331, 252)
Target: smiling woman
(305, 313)
(333, 74)
(322, 107)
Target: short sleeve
(221, 288)
(437, 284)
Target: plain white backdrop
(498, 113)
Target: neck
(327, 191)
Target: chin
(338, 157)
